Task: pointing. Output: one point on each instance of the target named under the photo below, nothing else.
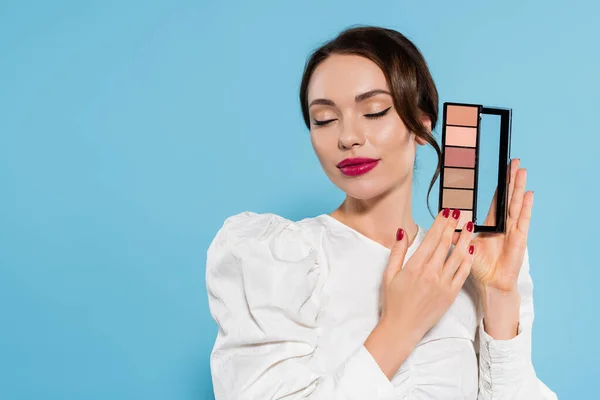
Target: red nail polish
(399, 234)
(446, 212)
(455, 213)
(470, 226)
(471, 249)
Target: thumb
(397, 254)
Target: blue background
(129, 130)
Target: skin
(379, 202)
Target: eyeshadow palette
(462, 163)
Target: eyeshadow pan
(465, 216)
(459, 178)
(456, 198)
(462, 115)
(461, 136)
(459, 157)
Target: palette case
(459, 173)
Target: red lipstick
(357, 166)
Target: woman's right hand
(416, 296)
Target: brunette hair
(407, 74)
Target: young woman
(362, 303)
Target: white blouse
(295, 301)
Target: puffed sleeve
(264, 286)
(505, 368)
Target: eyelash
(370, 116)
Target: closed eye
(379, 114)
(324, 122)
(370, 116)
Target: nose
(351, 135)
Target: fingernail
(471, 249)
(470, 226)
(446, 212)
(455, 213)
(399, 234)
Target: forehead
(344, 76)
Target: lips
(355, 161)
(357, 166)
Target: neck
(379, 218)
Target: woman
(363, 303)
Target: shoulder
(268, 231)
(262, 245)
(261, 259)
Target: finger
(397, 255)
(458, 253)
(513, 168)
(441, 252)
(432, 238)
(455, 237)
(516, 201)
(525, 215)
(464, 269)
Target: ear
(426, 121)
(420, 140)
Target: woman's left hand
(499, 256)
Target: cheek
(322, 148)
(393, 139)
(397, 146)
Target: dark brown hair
(412, 87)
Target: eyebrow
(358, 98)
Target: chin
(363, 189)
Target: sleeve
(264, 286)
(505, 368)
